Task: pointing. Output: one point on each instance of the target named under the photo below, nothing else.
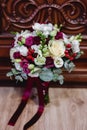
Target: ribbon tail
(23, 103)
(41, 105)
(46, 92)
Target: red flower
(17, 55)
(49, 62)
(24, 65)
(29, 41)
(36, 40)
(59, 35)
(20, 38)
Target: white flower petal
(40, 61)
(17, 66)
(23, 50)
(75, 46)
(33, 75)
(58, 62)
(12, 51)
(57, 48)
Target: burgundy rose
(23, 62)
(24, 65)
(49, 62)
(20, 38)
(17, 55)
(59, 35)
(25, 68)
(37, 40)
(29, 41)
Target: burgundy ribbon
(23, 103)
(42, 88)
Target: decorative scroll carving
(20, 14)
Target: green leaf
(19, 78)
(78, 56)
(46, 99)
(9, 74)
(24, 76)
(61, 82)
(69, 65)
(14, 33)
(61, 79)
(46, 75)
(14, 71)
(55, 77)
(57, 71)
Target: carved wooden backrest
(17, 15)
(20, 14)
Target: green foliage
(69, 65)
(43, 37)
(46, 99)
(79, 55)
(19, 78)
(46, 75)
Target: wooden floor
(67, 109)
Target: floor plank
(67, 109)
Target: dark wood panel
(6, 42)
(17, 15)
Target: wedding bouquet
(39, 56)
(43, 52)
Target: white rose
(23, 50)
(57, 48)
(75, 46)
(58, 62)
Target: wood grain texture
(67, 109)
(17, 15)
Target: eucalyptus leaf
(24, 76)
(61, 82)
(69, 65)
(66, 64)
(19, 78)
(60, 77)
(78, 56)
(9, 74)
(57, 71)
(14, 71)
(46, 75)
(55, 77)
